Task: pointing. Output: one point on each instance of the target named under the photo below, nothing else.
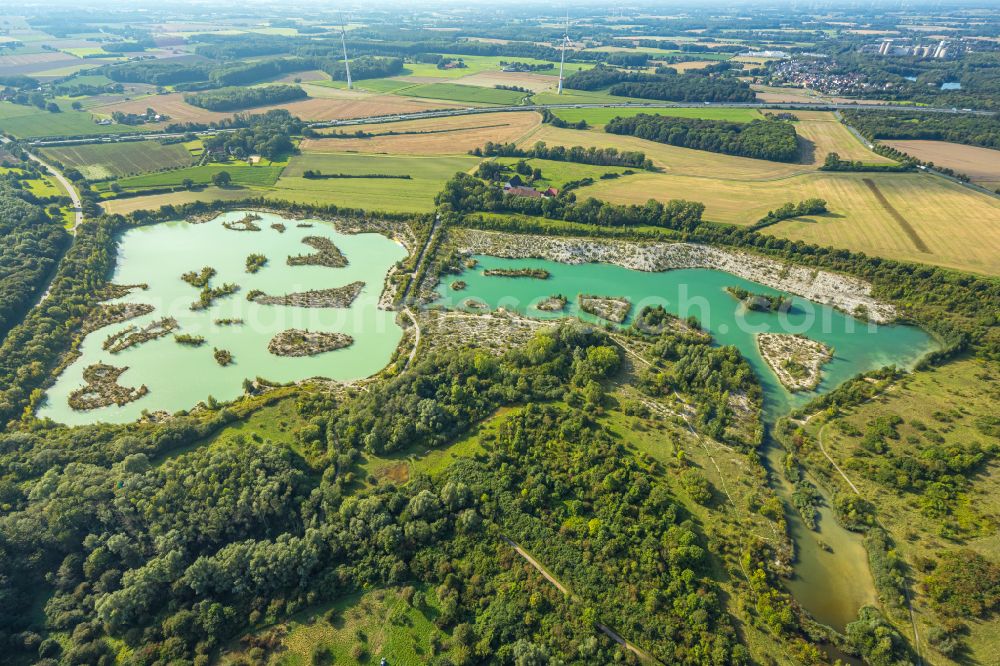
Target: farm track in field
(910, 232)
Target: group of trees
(762, 139)
(32, 244)
(465, 193)
(665, 84)
(269, 135)
(789, 210)
(231, 99)
(834, 163)
(597, 156)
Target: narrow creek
(832, 578)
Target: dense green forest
(762, 139)
(232, 99)
(973, 130)
(665, 84)
(32, 244)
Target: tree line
(465, 193)
(32, 245)
(596, 156)
(972, 130)
(231, 99)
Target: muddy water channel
(178, 376)
(832, 575)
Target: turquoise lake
(178, 376)
(858, 346)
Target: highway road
(469, 111)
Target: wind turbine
(562, 55)
(343, 42)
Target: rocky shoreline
(297, 342)
(845, 293)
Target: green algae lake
(179, 376)
(832, 578)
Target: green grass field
(427, 176)
(247, 176)
(26, 122)
(477, 64)
(602, 116)
(111, 160)
(372, 85)
(459, 93)
(557, 174)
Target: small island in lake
(296, 342)
(200, 278)
(611, 308)
(760, 302)
(458, 285)
(536, 273)
(189, 340)
(133, 335)
(222, 356)
(246, 223)
(338, 297)
(795, 359)
(255, 262)
(327, 254)
(102, 389)
(552, 304)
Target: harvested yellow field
(353, 105)
(825, 134)
(696, 64)
(433, 136)
(154, 201)
(777, 95)
(672, 159)
(982, 165)
(858, 220)
(531, 81)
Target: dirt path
(416, 338)
(606, 630)
(908, 229)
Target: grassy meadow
(458, 93)
(937, 405)
(28, 122)
(242, 174)
(415, 194)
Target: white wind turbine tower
(343, 42)
(562, 55)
